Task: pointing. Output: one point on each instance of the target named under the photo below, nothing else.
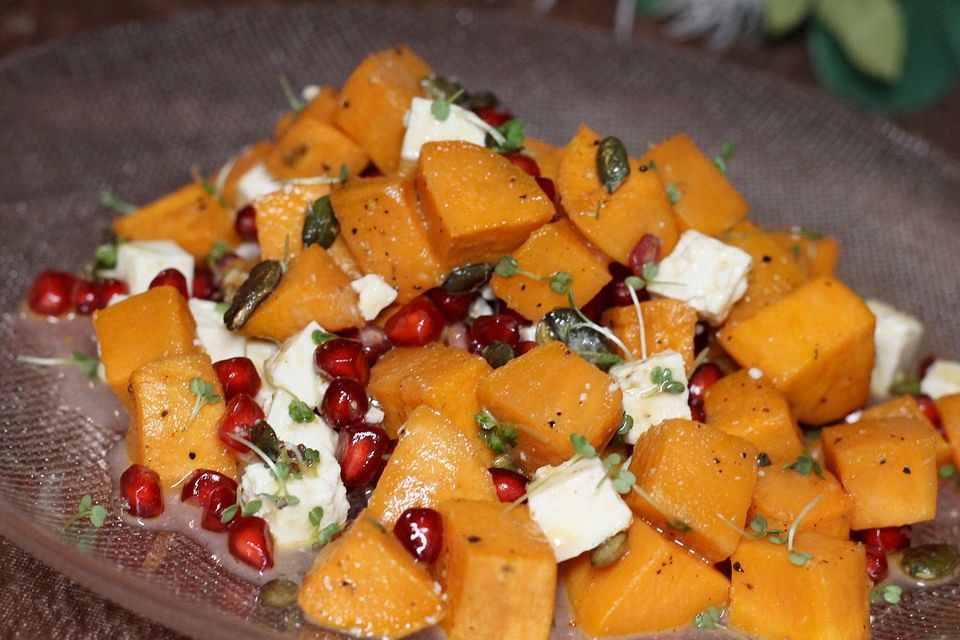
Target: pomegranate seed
(498, 326)
(344, 402)
(140, 487)
(525, 346)
(549, 189)
(510, 485)
(342, 358)
(415, 324)
(375, 343)
(51, 293)
(929, 409)
(221, 499)
(924, 365)
(696, 412)
(361, 453)
(420, 531)
(201, 485)
(245, 224)
(108, 289)
(596, 306)
(877, 568)
(171, 278)
(241, 414)
(205, 284)
(524, 162)
(494, 116)
(85, 297)
(250, 542)
(237, 375)
(702, 334)
(453, 306)
(646, 250)
(886, 539)
(702, 378)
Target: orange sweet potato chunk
(613, 222)
(908, 407)
(280, 217)
(434, 461)
(314, 288)
(322, 108)
(888, 467)
(781, 494)
(949, 407)
(815, 254)
(381, 223)
(163, 433)
(478, 205)
(243, 162)
(707, 201)
(697, 477)
(547, 156)
(669, 325)
(366, 583)
(311, 148)
(629, 596)
(756, 411)
(143, 328)
(374, 100)
(815, 344)
(551, 248)
(189, 216)
(498, 572)
(828, 597)
(549, 394)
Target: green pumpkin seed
(929, 561)
(556, 325)
(505, 461)
(613, 164)
(497, 353)
(609, 551)
(468, 277)
(279, 594)
(320, 226)
(261, 282)
(265, 438)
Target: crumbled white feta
(642, 398)
(310, 92)
(479, 307)
(375, 413)
(259, 351)
(576, 506)
(316, 434)
(247, 250)
(292, 369)
(422, 127)
(896, 337)
(528, 332)
(256, 182)
(139, 262)
(375, 295)
(941, 379)
(219, 342)
(705, 273)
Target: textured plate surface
(135, 107)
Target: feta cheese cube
(897, 338)
(219, 342)
(423, 127)
(310, 92)
(291, 369)
(139, 262)
(316, 434)
(576, 506)
(941, 379)
(705, 273)
(479, 307)
(528, 333)
(642, 399)
(375, 413)
(256, 182)
(375, 295)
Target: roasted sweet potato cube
(314, 288)
(381, 223)
(248, 158)
(311, 148)
(755, 410)
(434, 460)
(165, 434)
(782, 493)
(700, 481)
(888, 467)
(815, 344)
(189, 216)
(814, 253)
(549, 394)
(616, 221)
(547, 156)
(669, 325)
(321, 108)
(949, 407)
(440, 377)
(828, 597)
(280, 217)
(366, 583)
(551, 248)
(374, 100)
(908, 407)
(498, 573)
(704, 198)
(628, 597)
(143, 328)
(478, 205)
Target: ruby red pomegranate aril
(245, 224)
(51, 293)
(493, 116)
(877, 567)
(205, 284)
(453, 306)
(202, 483)
(85, 297)
(221, 499)
(361, 452)
(703, 377)
(885, 539)
(646, 250)
(929, 409)
(415, 324)
(140, 488)
(524, 162)
(510, 485)
(250, 542)
(108, 289)
(342, 358)
(237, 375)
(549, 189)
(525, 346)
(924, 365)
(374, 340)
(171, 278)
(241, 414)
(495, 327)
(344, 402)
(420, 531)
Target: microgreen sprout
(295, 102)
(889, 593)
(800, 558)
(86, 510)
(203, 391)
(804, 464)
(320, 337)
(722, 160)
(280, 471)
(344, 173)
(511, 137)
(89, 365)
(626, 425)
(246, 509)
(662, 377)
(498, 436)
(507, 267)
(708, 618)
(300, 411)
(673, 192)
(105, 255)
(208, 187)
(218, 252)
(109, 200)
(440, 107)
(322, 535)
(905, 386)
(622, 479)
(285, 263)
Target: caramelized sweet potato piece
(243, 162)
(547, 156)
(815, 254)
(908, 407)
(781, 494)
(669, 325)
(311, 148)
(949, 407)
(280, 217)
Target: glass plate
(134, 107)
